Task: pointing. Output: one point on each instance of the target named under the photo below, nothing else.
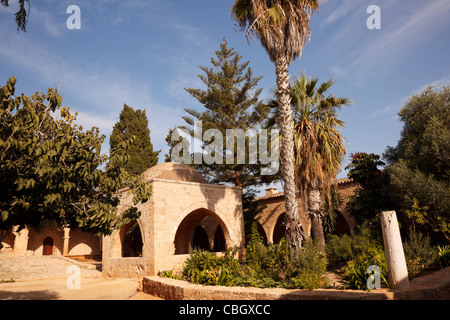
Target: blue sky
(145, 52)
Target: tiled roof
(281, 194)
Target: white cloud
(391, 110)
(403, 29)
(96, 92)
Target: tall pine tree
(231, 101)
(134, 124)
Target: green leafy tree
(420, 163)
(133, 124)
(283, 29)
(319, 147)
(372, 195)
(50, 168)
(425, 138)
(21, 16)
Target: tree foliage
(230, 101)
(318, 145)
(21, 16)
(50, 168)
(425, 138)
(420, 163)
(133, 124)
(283, 27)
(372, 195)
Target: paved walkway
(45, 278)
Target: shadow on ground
(29, 295)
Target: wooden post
(395, 257)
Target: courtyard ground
(45, 278)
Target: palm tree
(319, 147)
(283, 28)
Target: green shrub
(308, 268)
(264, 267)
(202, 267)
(308, 259)
(307, 280)
(341, 249)
(419, 252)
(443, 256)
(169, 274)
(355, 273)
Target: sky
(145, 52)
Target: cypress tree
(134, 124)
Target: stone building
(50, 239)
(184, 212)
(270, 220)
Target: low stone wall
(171, 289)
(134, 267)
(433, 286)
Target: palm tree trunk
(286, 123)
(315, 214)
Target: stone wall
(133, 267)
(169, 219)
(171, 289)
(65, 242)
(435, 286)
(274, 202)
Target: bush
(355, 273)
(419, 252)
(443, 256)
(204, 268)
(309, 259)
(309, 266)
(307, 280)
(341, 249)
(264, 267)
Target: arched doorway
(131, 239)
(47, 249)
(279, 231)
(200, 240)
(219, 240)
(202, 229)
(342, 226)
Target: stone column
(20, 241)
(66, 241)
(395, 257)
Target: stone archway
(279, 230)
(183, 211)
(131, 240)
(201, 228)
(47, 246)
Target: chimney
(271, 191)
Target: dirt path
(90, 289)
(39, 267)
(45, 278)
